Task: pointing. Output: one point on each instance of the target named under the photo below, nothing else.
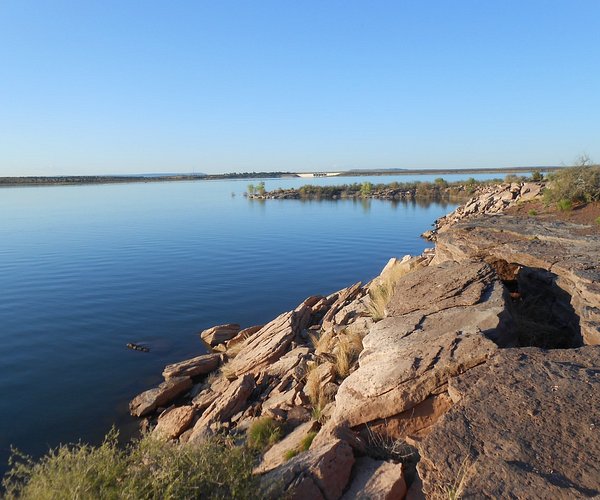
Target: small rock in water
(137, 347)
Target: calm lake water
(86, 269)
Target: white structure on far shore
(318, 174)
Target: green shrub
(537, 176)
(307, 441)
(366, 189)
(577, 184)
(564, 205)
(598, 220)
(303, 446)
(532, 212)
(264, 432)
(289, 454)
(145, 469)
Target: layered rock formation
(472, 380)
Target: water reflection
(364, 203)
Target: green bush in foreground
(146, 469)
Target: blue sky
(146, 86)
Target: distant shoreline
(66, 180)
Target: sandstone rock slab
(527, 424)
(220, 333)
(407, 358)
(148, 401)
(271, 342)
(224, 407)
(173, 422)
(553, 246)
(200, 365)
(276, 455)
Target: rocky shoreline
(470, 370)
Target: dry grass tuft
(346, 354)
(228, 372)
(322, 342)
(316, 392)
(382, 290)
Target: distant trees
(366, 189)
(258, 190)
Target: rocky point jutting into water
(472, 370)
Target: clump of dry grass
(316, 392)
(348, 348)
(228, 372)
(322, 341)
(383, 287)
(234, 350)
(384, 447)
(213, 377)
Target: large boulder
(165, 393)
(526, 425)
(173, 422)
(220, 334)
(410, 357)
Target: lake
(86, 269)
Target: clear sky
(92, 87)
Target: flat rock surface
(409, 357)
(556, 246)
(527, 425)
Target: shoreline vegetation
(61, 180)
(438, 190)
(287, 409)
